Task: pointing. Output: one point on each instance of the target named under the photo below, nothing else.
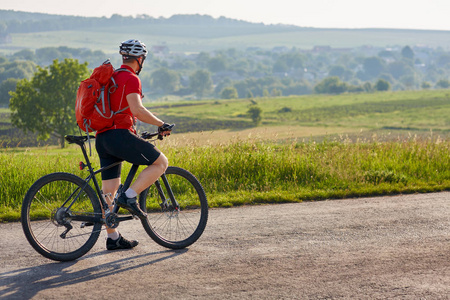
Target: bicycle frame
(124, 187)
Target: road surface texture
(393, 247)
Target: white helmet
(133, 48)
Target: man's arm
(140, 112)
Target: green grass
(411, 110)
(260, 172)
(415, 112)
(256, 173)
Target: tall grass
(262, 172)
(259, 172)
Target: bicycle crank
(111, 220)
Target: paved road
(370, 248)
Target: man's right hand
(165, 129)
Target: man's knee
(162, 162)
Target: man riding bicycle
(121, 143)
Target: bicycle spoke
(183, 220)
(53, 229)
(42, 202)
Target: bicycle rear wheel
(46, 216)
(170, 226)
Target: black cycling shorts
(122, 145)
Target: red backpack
(92, 108)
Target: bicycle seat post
(80, 141)
(86, 157)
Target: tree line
(41, 98)
(233, 73)
(24, 22)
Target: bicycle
(63, 215)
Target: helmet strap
(140, 64)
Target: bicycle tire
(176, 229)
(39, 222)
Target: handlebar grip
(146, 135)
(165, 127)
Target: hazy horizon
(401, 14)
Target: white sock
(130, 193)
(114, 235)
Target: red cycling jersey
(127, 83)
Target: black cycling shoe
(120, 243)
(131, 205)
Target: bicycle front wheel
(52, 211)
(177, 209)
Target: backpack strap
(122, 69)
(114, 86)
(87, 127)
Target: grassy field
(190, 38)
(252, 172)
(414, 111)
(307, 148)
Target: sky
(400, 14)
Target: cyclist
(121, 143)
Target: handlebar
(147, 135)
(80, 140)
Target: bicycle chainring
(111, 221)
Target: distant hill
(25, 22)
(21, 16)
(191, 33)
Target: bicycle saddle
(79, 140)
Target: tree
(9, 85)
(331, 85)
(367, 87)
(168, 81)
(443, 84)
(373, 66)
(382, 85)
(46, 103)
(26, 54)
(280, 66)
(3, 28)
(217, 64)
(276, 92)
(408, 53)
(45, 55)
(254, 112)
(410, 80)
(443, 60)
(202, 59)
(399, 69)
(337, 70)
(425, 85)
(17, 69)
(229, 93)
(200, 82)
